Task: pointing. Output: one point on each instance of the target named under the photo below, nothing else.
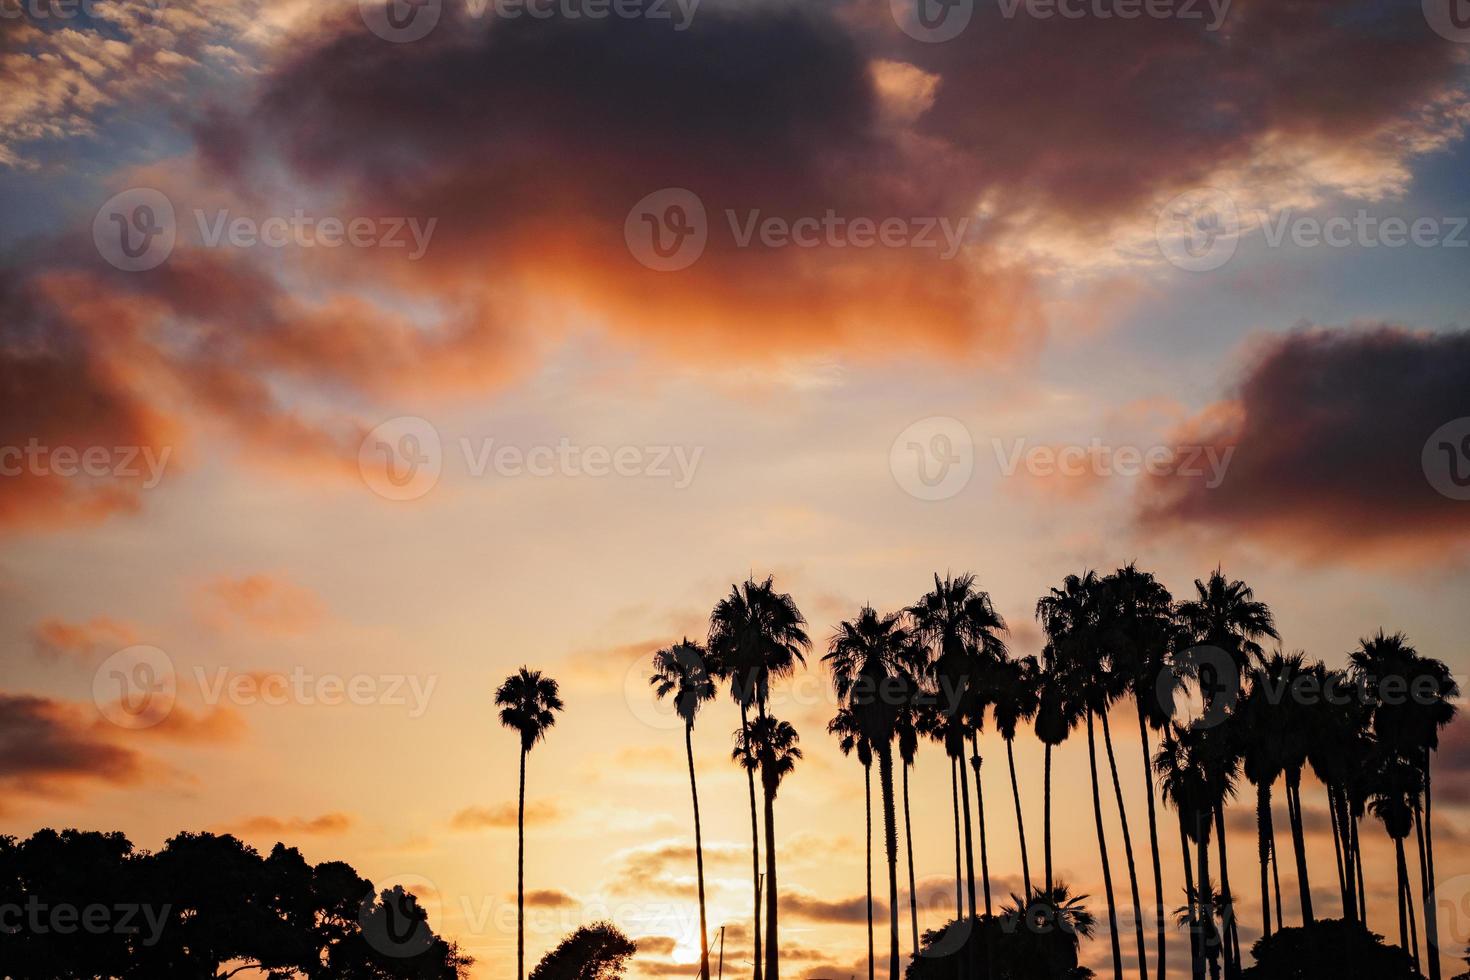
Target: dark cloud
(802, 905)
(1328, 430)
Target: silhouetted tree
(851, 738)
(772, 744)
(1329, 949)
(528, 704)
(596, 952)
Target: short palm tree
(1395, 801)
(528, 703)
(1184, 785)
(1265, 715)
(850, 739)
(682, 672)
(756, 634)
(772, 743)
(873, 662)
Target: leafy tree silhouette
(596, 952)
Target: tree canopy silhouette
(596, 952)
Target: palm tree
(907, 727)
(773, 744)
(1071, 618)
(528, 702)
(1206, 897)
(756, 634)
(1142, 630)
(1046, 929)
(1262, 761)
(959, 623)
(1183, 782)
(850, 739)
(1227, 614)
(1219, 753)
(1395, 801)
(1409, 726)
(1058, 713)
(682, 671)
(873, 662)
(1297, 738)
(1017, 698)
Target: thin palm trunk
(868, 851)
(1423, 880)
(1020, 823)
(755, 854)
(1046, 829)
(1230, 936)
(969, 845)
(698, 856)
(1358, 863)
(1275, 871)
(980, 801)
(1263, 851)
(908, 838)
(1202, 882)
(521, 874)
(954, 786)
(1102, 850)
(1402, 872)
(773, 945)
(1196, 932)
(1350, 886)
(1127, 850)
(1342, 870)
(1153, 838)
(1431, 913)
(890, 848)
(1298, 842)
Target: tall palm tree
(1017, 698)
(1219, 753)
(773, 744)
(1410, 726)
(756, 634)
(1264, 734)
(959, 624)
(908, 728)
(1142, 632)
(850, 739)
(1227, 614)
(1071, 617)
(682, 671)
(1184, 785)
(1058, 713)
(1395, 800)
(528, 703)
(873, 661)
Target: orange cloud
(267, 602)
(55, 637)
(503, 816)
(266, 826)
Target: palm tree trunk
(890, 847)
(1202, 883)
(980, 801)
(1342, 870)
(969, 845)
(954, 786)
(1431, 912)
(521, 873)
(1275, 869)
(908, 838)
(1102, 850)
(1231, 934)
(868, 852)
(773, 945)
(1153, 838)
(755, 853)
(1350, 889)
(698, 856)
(1127, 850)
(1020, 823)
(1403, 887)
(1046, 829)
(1263, 851)
(1196, 932)
(1299, 844)
(1423, 879)
(1358, 863)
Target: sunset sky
(1132, 267)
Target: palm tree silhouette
(1058, 711)
(1208, 898)
(1264, 732)
(528, 704)
(1071, 617)
(873, 661)
(756, 634)
(1017, 697)
(1395, 801)
(960, 625)
(772, 744)
(682, 671)
(850, 739)
(1142, 632)
(1184, 785)
(1409, 727)
(907, 727)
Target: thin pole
(722, 953)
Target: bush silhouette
(1329, 949)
